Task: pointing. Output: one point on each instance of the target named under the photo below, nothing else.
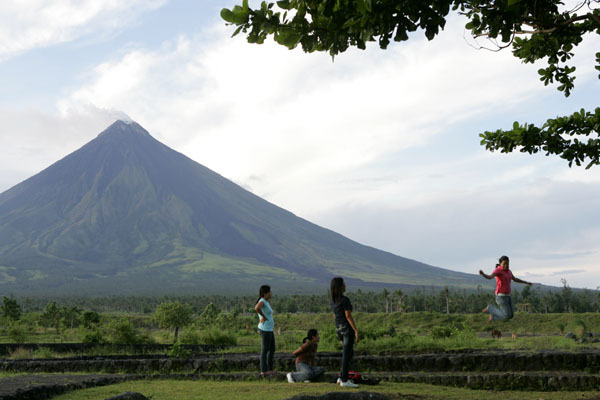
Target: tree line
(446, 300)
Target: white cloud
(360, 145)
(548, 228)
(25, 25)
(31, 140)
(286, 116)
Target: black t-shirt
(339, 309)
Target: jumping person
(505, 309)
(305, 359)
(265, 327)
(344, 327)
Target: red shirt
(503, 279)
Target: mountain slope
(125, 213)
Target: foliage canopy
(10, 309)
(173, 315)
(535, 29)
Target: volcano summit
(126, 214)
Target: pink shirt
(503, 279)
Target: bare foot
(484, 310)
(490, 319)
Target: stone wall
(477, 362)
(8, 348)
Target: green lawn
(198, 390)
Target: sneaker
(339, 380)
(307, 381)
(349, 384)
(290, 378)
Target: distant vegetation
(447, 301)
(425, 320)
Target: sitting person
(305, 360)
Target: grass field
(380, 333)
(198, 390)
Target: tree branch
(552, 29)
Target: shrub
(579, 328)
(189, 336)
(442, 332)
(399, 342)
(465, 332)
(123, 332)
(375, 333)
(216, 336)
(90, 319)
(18, 333)
(178, 351)
(19, 354)
(94, 337)
(43, 352)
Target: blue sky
(380, 146)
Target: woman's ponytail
(311, 333)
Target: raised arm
(514, 278)
(486, 276)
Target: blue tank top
(268, 311)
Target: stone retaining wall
(508, 361)
(522, 381)
(44, 387)
(8, 348)
(483, 362)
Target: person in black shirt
(344, 327)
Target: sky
(381, 146)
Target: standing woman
(505, 309)
(344, 327)
(265, 327)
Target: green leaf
(240, 15)
(237, 30)
(363, 6)
(353, 21)
(227, 15)
(284, 5)
(288, 37)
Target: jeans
(346, 335)
(505, 309)
(267, 350)
(306, 372)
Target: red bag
(355, 376)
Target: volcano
(125, 214)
